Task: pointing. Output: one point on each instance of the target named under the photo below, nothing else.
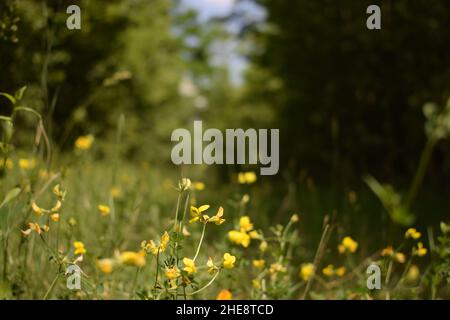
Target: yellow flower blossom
(55, 217)
(400, 257)
(104, 209)
(197, 213)
(340, 272)
(387, 252)
(56, 207)
(198, 186)
(105, 265)
(259, 263)
(328, 270)
(254, 234)
(27, 164)
(248, 177)
(277, 267)
(412, 233)
(151, 247)
(133, 258)
(348, 244)
(58, 192)
(79, 247)
(189, 266)
(224, 295)
(84, 142)
(217, 219)
(172, 273)
(32, 227)
(245, 224)
(228, 261)
(307, 271)
(420, 250)
(239, 238)
(211, 268)
(37, 210)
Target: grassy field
(138, 231)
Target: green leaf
(12, 194)
(20, 92)
(9, 97)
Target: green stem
(50, 289)
(421, 170)
(200, 243)
(206, 286)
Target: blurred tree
(350, 99)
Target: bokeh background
(349, 102)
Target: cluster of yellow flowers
(53, 213)
(197, 214)
(245, 233)
(348, 245)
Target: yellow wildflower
(307, 271)
(240, 238)
(32, 227)
(420, 250)
(58, 192)
(412, 233)
(105, 265)
(55, 217)
(172, 273)
(328, 270)
(348, 244)
(37, 210)
(228, 261)
(224, 295)
(248, 177)
(217, 219)
(56, 207)
(155, 249)
(211, 268)
(79, 247)
(133, 258)
(189, 266)
(254, 234)
(84, 142)
(340, 271)
(245, 224)
(103, 209)
(259, 263)
(199, 186)
(400, 257)
(27, 164)
(197, 213)
(277, 267)
(387, 252)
